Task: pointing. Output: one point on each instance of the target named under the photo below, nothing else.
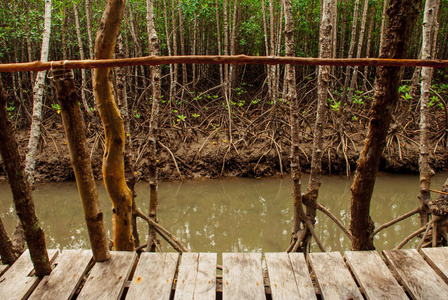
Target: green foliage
(56, 107)
(434, 100)
(181, 118)
(335, 105)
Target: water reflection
(229, 215)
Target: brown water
(229, 215)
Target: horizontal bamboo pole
(216, 59)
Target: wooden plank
(416, 275)
(437, 258)
(289, 277)
(242, 276)
(3, 269)
(197, 276)
(16, 282)
(107, 279)
(154, 276)
(374, 276)
(333, 277)
(71, 265)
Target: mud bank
(212, 155)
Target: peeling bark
(153, 125)
(429, 20)
(38, 92)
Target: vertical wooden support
(80, 158)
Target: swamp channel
(229, 215)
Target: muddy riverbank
(212, 155)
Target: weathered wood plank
(107, 279)
(438, 260)
(16, 282)
(416, 275)
(374, 276)
(333, 277)
(242, 276)
(289, 277)
(71, 265)
(154, 276)
(197, 276)
(3, 269)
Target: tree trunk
(122, 102)
(358, 52)
(64, 33)
(38, 91)
(182, 44)
(272, 69)
(291, 97)
(402, 17)
(153, 126)
(368, 46)
(173, 86)
(139, 53)
(89, 27)
(429, 20)
(6, 249)
(232, 49)
(80, 158)
(28, 38)
(334, 24)
(81, 56)
(384, 17)
(168, 46)
(325, 43)
(350, 55)
(344, 22)
(218, 34)
(193, 50)
(21, 192)
(268, 68)
(113, 161)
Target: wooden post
(80, 157)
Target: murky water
(230, 215)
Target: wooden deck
(402, 274)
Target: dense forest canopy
(191, 28)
